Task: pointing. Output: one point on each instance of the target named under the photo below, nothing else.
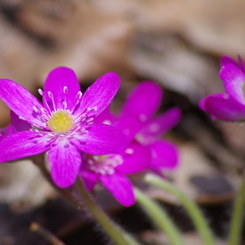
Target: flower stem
(117, 234)
(237, 216)
(160, 217)
(193, 210)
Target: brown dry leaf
(215, 27)
(93, 38)
(83, 39)
(86, 40)
(22, 181)
(164, 58)
(19, 60)
(192, 163)
(234, 135)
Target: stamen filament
(50, 95)
(40, 91)
(77, 101)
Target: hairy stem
(237, 216)
(160, 217)
(193, 210)
(117, 234)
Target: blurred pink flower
(145, 150)
(229, 106)
(143, 103)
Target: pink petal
(6, 131)
(64, 86)
(135, 158)
(158, 171)
(101, 139)
(20, 101)
(22, 144)
(227, 60)
(224, 108)
(106, 117)
(164, 155)
(129, 125)
(89, 179)
(143, 101)
(162, 123)
(241, 63)
(234, 80)
(100, 94)
(120, 187)
(18, 124)
(203, 101)
(65, 161)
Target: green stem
(117, 234)
(160, 217)
(193, 210)
(237, 216)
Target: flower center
(61, 121)
(104, 164)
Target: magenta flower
(110, 171)
(63, 125)
(145, 148)
(143, 102)
(229, 106)
(5, 132)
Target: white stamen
(43, 110)
(142, 117)
(78, 99)
(65, 90)
(35, 109)
(90, 161)
(40, 91)
(154, 127)
(129, 151)
(90, 119)
(79, 95)
(50, 95)
(108, 122)
(104, 165)
(49, 111)
(111, 171)
(64, 103)
(92, 109)
(103, 172)
(86, 114)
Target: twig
(48, 236)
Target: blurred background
(176, 43)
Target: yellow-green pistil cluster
(61, 121)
